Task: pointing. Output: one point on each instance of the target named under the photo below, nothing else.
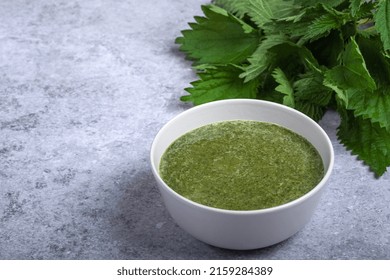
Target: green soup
(241, 165)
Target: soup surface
(241, 165)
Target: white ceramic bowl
(234, 229)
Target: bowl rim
(276, 208)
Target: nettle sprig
(309, 55)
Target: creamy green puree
(241, 165)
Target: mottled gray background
(84, 88)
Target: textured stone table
(84, 87)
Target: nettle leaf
(324, 24)
(355, 6)
(382, 22)
(218, 38)
(355, 86)
(294, 26)
(378, 64)
(260, 11)
(311, 96)
(365, 10)
(366, 139)
(277, 51)
(220, 82)
(264, 11)
(352, 73)
(309, 87)
(354, 61)
(236, 7)
(307, 94)
(344, 78)
(284, 87)
(261, 58)
(371, 105)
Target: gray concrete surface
(84, 88)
